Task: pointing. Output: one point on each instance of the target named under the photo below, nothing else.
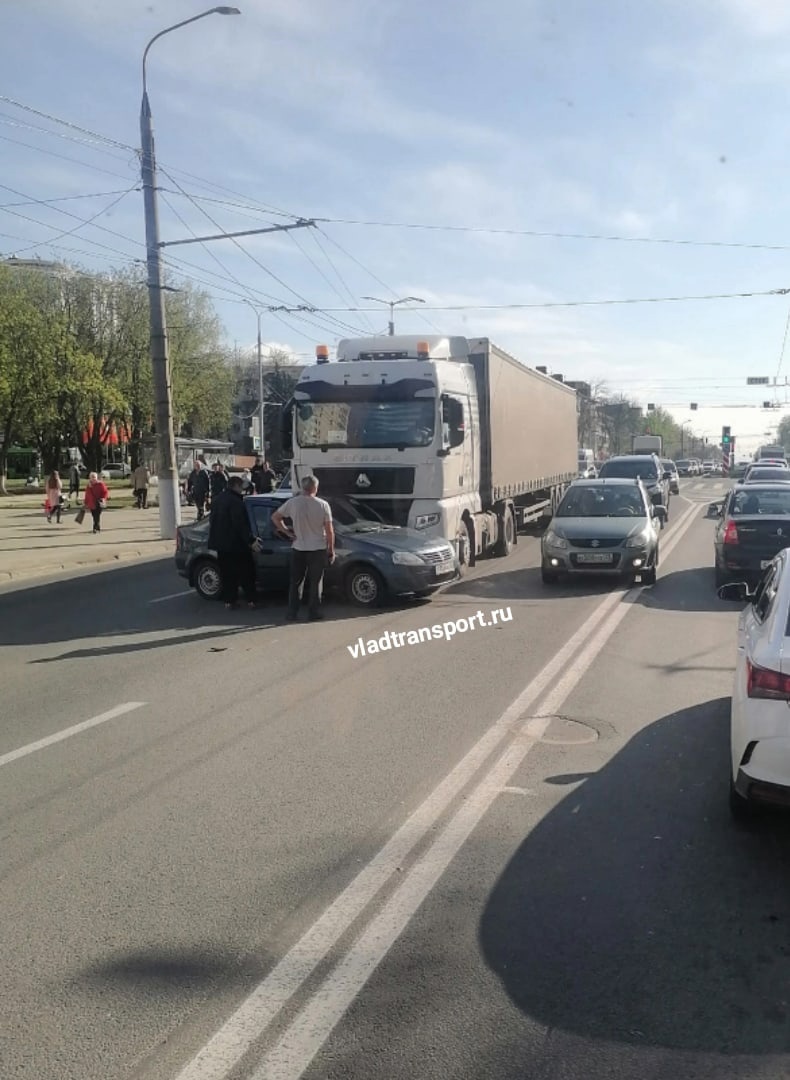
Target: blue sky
(665, 120)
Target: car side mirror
(667, 475)
(717, 509)
(660, 512)
(736, 591)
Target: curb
(79, 563)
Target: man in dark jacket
(231, 537)
(198, 487)
(219, 480)
(264, 478)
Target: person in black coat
(231, 537)
(219, 480)
(198, 488)
(264, 478)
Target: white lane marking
(66, 733)
(171, 596)
(304, 1037)
(221, 1054)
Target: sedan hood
(592, 528)
(390, 538)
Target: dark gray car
(373, 560)
(603, 526)
(644, 467)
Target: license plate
(596, 557)
(765, 563)
(445, 567)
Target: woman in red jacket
(96, 496)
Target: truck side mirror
(287, 427)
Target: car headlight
(553, 539)
(638, 539)
(424, 521)
(407, 558)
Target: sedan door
(273, 561)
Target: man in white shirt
(313, 547)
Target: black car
(645, 467)
(759, 474)
(672, 469)
(754, 525)
(373, 560)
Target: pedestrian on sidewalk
(198, 488)
(231, 537)
(74, 479)
(140, 480)
(96, 496)
(264, 478)
(313, 546)
(218, 480)
(54, 496)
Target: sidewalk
(29, 547)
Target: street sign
(757, 380)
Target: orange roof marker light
(423, 350)
(322, 354)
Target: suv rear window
(630, 469)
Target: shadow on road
(636, 912)
(685, 590)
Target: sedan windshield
(768, 501)
(602, 501)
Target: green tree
(26, 351)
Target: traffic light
(694, 406)
(726, 438)
(651, 407)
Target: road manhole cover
(561, 731)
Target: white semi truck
(450, 436)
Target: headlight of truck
(407, 558)
(639, 539)
(424, 521)
(553, 539)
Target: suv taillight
(731, 533)
(764, 683)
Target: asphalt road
(504, 855)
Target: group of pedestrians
(94, 501)
(305, 519)
(204, 485)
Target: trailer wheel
(507, 533)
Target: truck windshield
(366, 424)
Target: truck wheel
(507, 533)
(208, 580)
(364, 587)
(464, 547)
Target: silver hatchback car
(604, 526)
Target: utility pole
(260, 388)
(169, 502)
(392, 304)
(167, 473)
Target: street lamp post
(682, 437)
(392, 305)
(262, 447)
(169, 502)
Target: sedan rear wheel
(208, 580)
